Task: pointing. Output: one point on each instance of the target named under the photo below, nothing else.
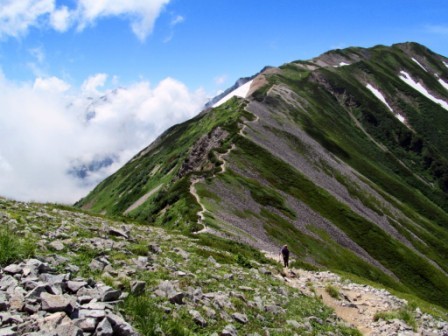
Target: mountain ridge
(343, 161)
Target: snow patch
(379, 95)
(400, 117)
(405, 77)
(446, 64)
(340, 65)
(444, 84)
(241, 91)
(421, 66)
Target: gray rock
(315, 319)
(74, 286)
(92, 313)
(197, 318)
(69, 329)
(274, 309)
(57, 245)
(108, 294)
(118, 233)
(182, 253)
(57, 303)
(8, 331)
(86, 324)
(13, 269)
(294, 324)
(154, 248)
(138, 287)
(177, 298)
(229, 330)
(53, 321)
(209, 312)
(31, 307)
(96, 265)
(241, 318)
(104, 328)
(36, 292)
(54, 279)
(120, 326)
(7, 282)
(4, 304)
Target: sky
(86, 84)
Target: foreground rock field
(69, 273)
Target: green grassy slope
(400, 170)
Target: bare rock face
(200, 150)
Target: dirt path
(356, 305)
(221, 157)
(143, 199)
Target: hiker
(285, 254)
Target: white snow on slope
(444, 84)
(421, 66)
(405, 77)
(242, 92)
(446, 64)
(340, 65)
(379, 95)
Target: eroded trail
(358, 304)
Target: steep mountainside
(343, 157)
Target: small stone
(13, 269)
(68, 329)
(57, 245)
(294, 323)
(36, 292)
(118, 233)
(57, 303)
(96, 265)
(241, 318)
(154, 248)
(109, 294)
(86, 324)
(31, 307)
(8, 331)
(138, 287)
(197, 318)
(119, 326)
(74, 286)
(229, 330)
(104, 328)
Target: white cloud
(18, 16)
(50, 84)
(220, 79)
(46, 130)
(142, 14)
(177, 20)
(92, 83)
(60, 19)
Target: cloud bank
(57, 142)
(17, 17)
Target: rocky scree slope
(343, 157)
(69, 273)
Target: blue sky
(198, 41)
(59, 57)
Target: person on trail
(285, 254)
